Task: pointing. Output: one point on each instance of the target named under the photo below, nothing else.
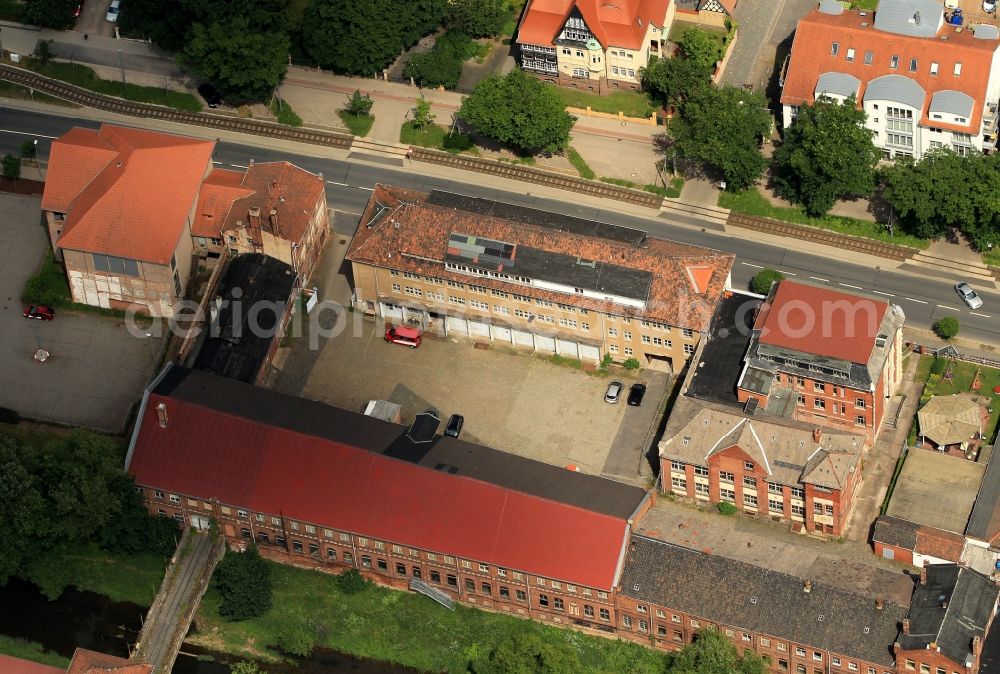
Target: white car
(968, 295)
(989, 6)
(113, 11)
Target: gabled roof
(820, 321)
(91, 662)
(291, 192)
(787, 450)
(414, 231)
(949, 608)
(126, 192)
(759, 600)
(221, 188)
(12, 665)
(856, 35)
(257, 449)
(614, 23)
(896, 532)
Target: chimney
(906, 625)
(273, 217)
(879, 603)
(161, 413)
(944, 604)
(254, 217)
(977, 645)
(933, 646)
(923, 573)
(817, 435)
(807, 586)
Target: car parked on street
(39, 312)
(210, 94)
(113, 10)
(635, 394)
(454, 427)
(614, 392)
(968, 295)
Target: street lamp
(121, 62)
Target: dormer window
(835, 49)
(894, 62)
(958, 68)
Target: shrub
(456, 142)
(606, 361)
(297, 638)
(762, 280)
(359, 105)
(244, 581)
(947, 327)
(11, 167)
(48, 286)
(352, 582)
(938, 365)
(631, 364)
(29, 149)
(726, 508)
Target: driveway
(93, 19)
(96, 370)
(763, 26)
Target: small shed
(950, 420)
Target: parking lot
(515, 402)
(96, 370)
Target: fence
(951, 352)
(620, 116)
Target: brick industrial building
(546, 282)
(329, 489)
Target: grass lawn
(961, 380)
(752, 202)
(431, 135)
(864, 4)
(580, 164)
(358, 125)
(134, 578)
(27, 650)
(398, 627)
(82, 76)
(631, 103)
(11, 90)
(992, 257)
(285, 114)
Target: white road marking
(239, 166)
(817, 278)
(879, 292)
(367, 189)
(948, 308)
(848, 285)
(28, 133)
(217, 162)
(913, 300)
(981, 315)
(330, 182)
(786, 273)
(755, 266)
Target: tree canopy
(65, 494)
(520, 111)
(945, 189)
(57, 14)
(362, 38)
(670, 82)
(712, 653)
(527, 655)
(244, 581)
(827, 154)
(700, 47)
(244, 65)
(477, 18)
(722, 128)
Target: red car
(78, 11)
(39, 312)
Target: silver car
(113, 11)
(968, 295)
(614, 392)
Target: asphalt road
(349, 185)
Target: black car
(635, 394)
(210, 94)
(454, 426)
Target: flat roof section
(714, 378)
(534, 216)
(936, 490)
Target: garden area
(629, 103)
(310, 608)
(947, 376)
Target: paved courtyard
(96, 371)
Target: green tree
(946, 327)
(244, 581)
(297, 636)
(527, 655)
(670, 82)
(477, 18)
(358, 104)
(762, 280)
(436, 68)
(22, 510)
(520, 111)
(700, 47)
(165, 23)
(43, 52)
(352, 582)
(56, 14)
(11, 167)
(422, 115)
(29, 149)
(245, 667)
(827, 154)
(712, 653)
(362, 38)
(722, 128)
(244, 65)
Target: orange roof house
(91, 662)
(614, 24)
